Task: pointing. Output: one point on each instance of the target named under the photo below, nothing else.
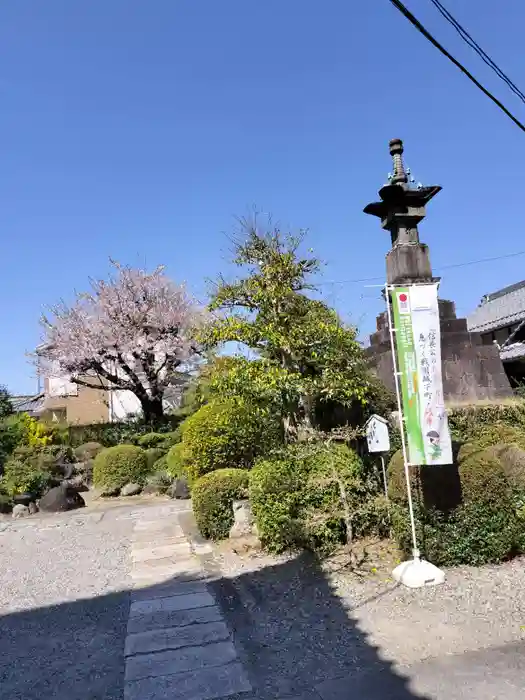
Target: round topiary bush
(512, 460)
(116, 466)
(212, 498)
(490, 436)
(225, 433)
(396, 479)
(88, 451)
(482, 478)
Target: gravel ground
(313, 631)
(64, 606)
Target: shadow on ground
(292, 634)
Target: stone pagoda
(472, 371)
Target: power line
(417, 24)
(468, 39)
(439, 269)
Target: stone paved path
(178, 644)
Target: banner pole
(415, 550)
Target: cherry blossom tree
(133, 331)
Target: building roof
(499, 309)
(514, 351)
(27, 404)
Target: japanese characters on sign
(416, 318)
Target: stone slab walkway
(177, 644)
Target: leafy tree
(305, 354)
(6, 406)
(133, 332)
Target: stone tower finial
(396, 151)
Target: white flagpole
(415, 549)
(414, 573)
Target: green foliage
(212, 498)
(483, 479)
(306, 354)
(21, 477)
(87, 451)
(45, 457)
(150, 440)
(116, 466)
(225, 433)
(482, 527)
(153, 454)
(469, 423)
(175, 461)
(312, 495)
(512, 460)
(111, 434)
(492, 435)
(475, 533)
(6, 406)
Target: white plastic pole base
(417, 573)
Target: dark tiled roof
(27, 404)
(500, 309)
(513, 351)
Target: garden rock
(33, 508)
(179, 489)
(130, 490)
(61, 498)
(77, 482)
(20, 511)
(244, 523)
(110, 491)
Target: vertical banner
(418, 346)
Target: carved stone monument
(471, 371)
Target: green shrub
(512, 460)
(21, 477)
(111, 434)
(212, 498)
(153, 454)
(116, 466)
(475, 533)
(45, 457)
(151, 440)
(161, 465)
(304, 495)
(225, 433)
(483, 528)
(473, 422)
(176, 462)
(396, 478)
(87, 451)
(482, 478)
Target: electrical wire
(439, 269)
(468, 39)
(421, 29)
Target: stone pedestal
(471, 371)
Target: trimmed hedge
(473, 422)
(481, 527)
(117, 466)
(212, 498)
(225, 433)
(297, 498)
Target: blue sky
(139, 130)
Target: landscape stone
(20, 511)
(33, 508)
(244, 522)
(179, 489)
(130, 489)
(61, 498)
(78, 483)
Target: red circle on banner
(403, 297)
